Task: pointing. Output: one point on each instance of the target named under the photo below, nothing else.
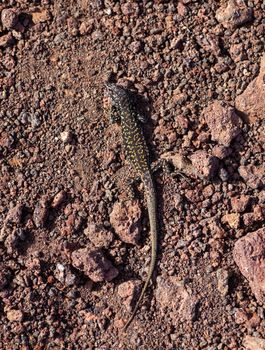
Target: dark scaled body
(136, 153)
(133, 139)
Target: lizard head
(117, 94)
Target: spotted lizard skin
(136, 152)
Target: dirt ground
(74, 250)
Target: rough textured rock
(205, 165)
(129, 292)
(66, 136)
(40, 212)
(232, 219)
(239, 204)
(14, 315)
(256, 215)
(94, 264)
(210, 43)
(98, 235)
(200, 165)
(234, 14)
(6, 40)
(15, 214)
(237, 52)
(126, 221)
(253, 175)
(14, 239)
(130, 9)
(241, 316)
(174, 295)
(221, 152)
(40, 16)
(182, 9)
(223, 122)
(254, 343)
(249, 255)
(251, 102)
(86, 27)
(223, 281)
(58, 199)
(9, 18)
(64, 274)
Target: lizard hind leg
(130, 185)
(161, 164)
(168, 169)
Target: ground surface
(63, 280)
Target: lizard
(137, 154)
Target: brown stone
(232, 219)
(251, 102)
(40, 213)
(40, 16)
(253, 175)
(241, 316)
(239, 204)
(58, 199)
(223, 276)
(254, 343)
(130, 9)
(237, 52)
(86, 27)
(126, 221)
(233, 14)
(5, 276)
(9, 18)
(221, 152)
(249, 255)
(129, 291)
(14, 315)
(15, 214)
(205, 165)
(98, 235)
(254, 321)
(6, 40)
(182, 9)
(174, 295)
(255, 216)
(210, 43)
(223, 122)
(94, 264)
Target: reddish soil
(70, 272)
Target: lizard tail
(151, 205)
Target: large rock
(205, 165)
(9, 18)
(254, 343)
(126, 221)
(234, 14)
(14, 315)
(249, 255)
(174, 295)
(6, 40)
(239, 204)
(252, 102)
(98, 235)
(129, 292)
(94, 264)
(223, 122)
(40, 213)
(252, 175)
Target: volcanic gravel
(74, 245)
